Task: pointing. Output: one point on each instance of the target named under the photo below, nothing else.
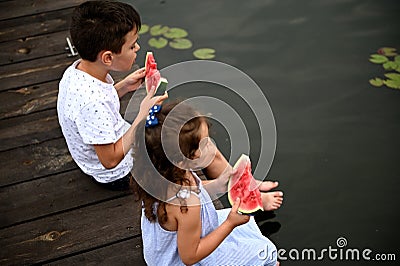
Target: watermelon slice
(243, 185)
(153, 77)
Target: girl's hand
(235, 218)
(149, 101)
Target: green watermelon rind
(161, 86)
(246, 160)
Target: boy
(105, 35)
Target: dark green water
(338, 138)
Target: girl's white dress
(245, 245)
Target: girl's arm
(191, 247)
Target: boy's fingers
(141, 70)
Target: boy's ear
(106, 57)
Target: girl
(180, 224)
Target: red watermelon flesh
(243, 185)
(152, 74)
(150, 64)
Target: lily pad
(181, 44)
(387, 51)
(390, 65)
(143, 29)
(397, 59)
(393, 76)
(377, 82)
(394, 84)
(157, 30)
(158, 42)
(378, 59)
(204, 53)
(175, 33)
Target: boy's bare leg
(271, 200)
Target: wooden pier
(51, 213)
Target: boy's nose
(137, 47)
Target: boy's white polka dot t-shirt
(88, 112)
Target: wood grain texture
(30, 48)
(18, 8)
(29, 129)
(39, 24)
(71, 232)
(21, 74)
(129, 252)
(34, 161)
(52, 194)
(28, 100)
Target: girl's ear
(106, 57)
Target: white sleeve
(96, 123)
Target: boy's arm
(191, 247)
(218, 166)
(131, 82)
(110, 155)
(220, 171)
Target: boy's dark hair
(102, 25)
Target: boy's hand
(235, 218)
(131, 82)
(135, 79)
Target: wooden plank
(34, 161)
(33, 47)
(28, 99)
(129, 252)
(43, 96)
(38, 24)
(39, 97)
(33, 72)
(22, 74)
(71, 232)
(52, 194)
(29, 129)
(19, 8)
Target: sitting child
(180, 225)
(105, 34)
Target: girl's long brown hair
(189, 138)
